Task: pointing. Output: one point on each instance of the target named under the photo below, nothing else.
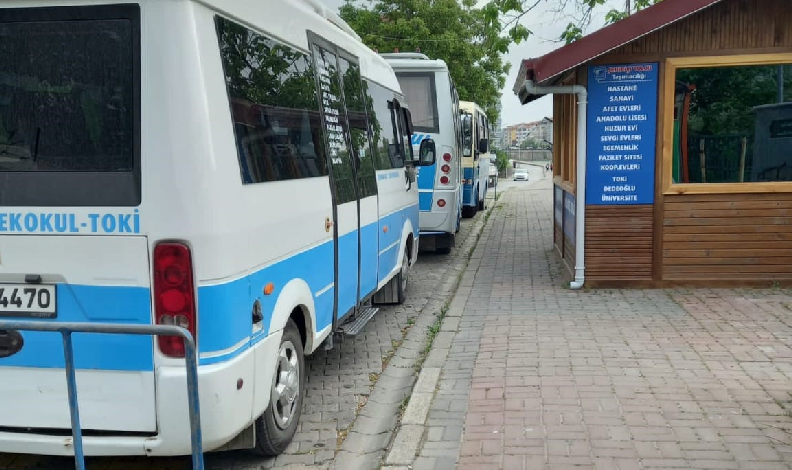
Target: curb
(371, 433)
(407, 444)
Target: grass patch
(373, 377)
(403, 405)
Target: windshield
(467, 134)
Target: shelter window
(732, 124)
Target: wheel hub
(285, 394)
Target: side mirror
(483, 146)
(427, 155)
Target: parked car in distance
(520, 175)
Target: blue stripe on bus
(426, 182)
(224, 309)
(425, 201)
(468, 198)
(80, 303)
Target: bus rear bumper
(440, 220)
(225, 411)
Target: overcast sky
(547, 26)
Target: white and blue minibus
(434, 102)
(239, 168)
(475, 157)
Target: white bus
(475, 157)
(434, 103)
(239, 168)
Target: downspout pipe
(580, 197)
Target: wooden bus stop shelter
(673, 145)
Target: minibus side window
(381, 125)
(355, 96)
(274, 107)
(397, 149)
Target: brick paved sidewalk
(535, 376)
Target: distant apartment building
(540, 131)
(498, 132)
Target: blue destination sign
(622, 133)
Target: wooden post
(703, 161)
(743, 151)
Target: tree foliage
(575, 29)
(535, 144)
(470, 39)
(724, 99)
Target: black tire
(272, 435)
(482, 203)
(402, 277)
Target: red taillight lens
(441, 203)
(444, 180)
(174, 294)
(447, 157)
(445, 169)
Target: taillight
(444, 180)
(445, 169)
(174, 294)
(447, 157)
(441, 203)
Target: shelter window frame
(672, 65)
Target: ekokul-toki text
(48, 222)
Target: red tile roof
(548, 67)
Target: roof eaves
(545, 69)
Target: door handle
(328, 224)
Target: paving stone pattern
(541, 377)
(339, 383)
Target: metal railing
(66, 330)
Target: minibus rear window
(69, 106)
(420, 93)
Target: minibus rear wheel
(276, 427)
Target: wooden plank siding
(727, 236)
(730, 27)
(619, 241)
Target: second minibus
(434, 103)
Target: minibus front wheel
(276, 427)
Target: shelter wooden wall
(728, 237)
(619, 243)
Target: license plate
(26, 300)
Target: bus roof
(288, 22)
(471, 106)
(414, 61)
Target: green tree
(574, 30)
(531, 143)
(470, 39)
(502, 160)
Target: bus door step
(356, 325)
